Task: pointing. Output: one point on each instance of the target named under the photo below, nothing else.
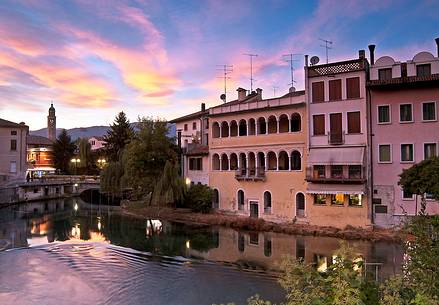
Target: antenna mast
(226, 69)
(289, 58)
(251, 69)
(274, 90)
(327, 46)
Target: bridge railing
(73, 178)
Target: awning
(335, 189)
(336, 156)
(47, 169)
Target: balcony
(250, 174)
(196, 149)
(350, 174)
(336, 138)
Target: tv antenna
(327, 46)
(251, 69)
(226, 69)
(289, 58)
(274, 90)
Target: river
(70, 252)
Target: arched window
(296, 122)
(267, 202)
(284, 162)
(241, 200)
(242, 128)
(296, 161)
(224, 162)
(300, 204)
(224, 129)
(233, 128)
(272, 124)
(252, 163)
(272, 161)
(251, 127)
(284, 123)
(233, 161)
(261, 160)
(215, 199)
(215, 162)
(215, 130)
(262, 126)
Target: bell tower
(51, 123)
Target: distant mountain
(87, 132)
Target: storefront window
(337, 199)
(355, 200)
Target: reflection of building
(96, 142)
(12, 150)
(404, 114)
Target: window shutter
(319, 124)
(335, 90)
(353, 87)
(354, 122)
(318, 92)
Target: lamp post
(101, 163)
(75, 161)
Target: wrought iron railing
(336, 138)
(255, 173)
(347, 176)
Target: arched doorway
(300, 205)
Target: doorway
(254, 209)
(300, 205)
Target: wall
(7, 156)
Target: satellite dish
(223, 97)
(314, 60)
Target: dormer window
(423, 70)
(385, 74)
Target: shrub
(199, 198)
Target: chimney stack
(361, 54)
(242, 94)
(437, 46)
(306, 60)
(372, 54)
(259, 92)
(203, 107)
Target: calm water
(69, 252)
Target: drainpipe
(437, 46)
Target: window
(384, 153)
(337, 199)
(267, 202)
(319, 171)
(407, 153)
(241, 242)
(215, 199)
(383, 114)
(295, 122)
(405, 113)
(430, 150)
(423, 70)
(194, 126)
(335, 90)
(253, 238)
(353, 87)
(354, 171)
(185, 127)
(13, 145)
(296, 163)
(319, 199)
(13, 132)
(354, 122)
(336, 171)
(355, 200)
(385, 74)
(318, 124)
(267, 246)
(241, 200)
(407, 195)
(318, 92)
(429, 111)
(195, 164)
(13, 167)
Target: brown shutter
(353, 87)
(354, 122)
(335, 90)
(318, 92)
(318, 124)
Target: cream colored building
(13, 163)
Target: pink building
(405, 129)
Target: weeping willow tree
(84, 154)
(170, 188)
(111, 178)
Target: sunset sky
(158, 58)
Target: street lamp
(101, 163)
(75, 161)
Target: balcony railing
(345, 177)
(336, 138)
(254, 174)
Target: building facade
(13, 163)
(404, 118)
(40, 156)
(96, 143)
(337, 170)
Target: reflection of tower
(51, 123)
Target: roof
(406, 82)
(198, 149)
(38, 140)
(5, 123)
(190, 116)
(337, 67)
(99, 138)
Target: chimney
(203, 107)
(437, 46)
(361, 54)
(259, 92)
(242, 94)
(372, 54)
(306, 60)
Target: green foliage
(111, 178)
(63, 151)
(119, 135)
(85, 155)
(170, 188)
(199, 198)
(145, 156)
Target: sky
(160, 58)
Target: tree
(170, 188)
(119, 135)
(85, 155)
(111, 178)
(145, 156)
(199, 198)
(63, 151)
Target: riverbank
(139, 210)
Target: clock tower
(51, 123)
